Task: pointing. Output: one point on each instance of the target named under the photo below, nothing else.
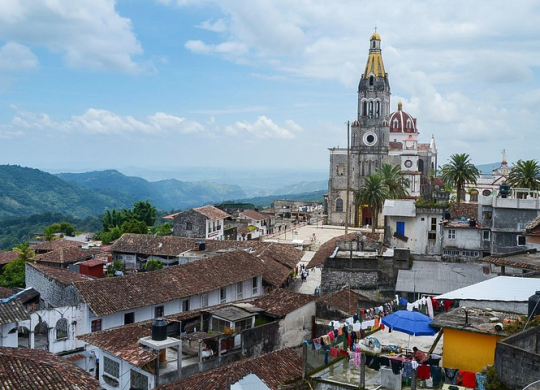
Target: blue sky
(162, 84)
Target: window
(185, 303)
(222, 295)
(409, 123)
(242, 325)
(129, 318)
(371, 78)
(400, 228)
(486, 235)
(138, 381)
(255, 286)
(451, 252)
(339, 205)
(474, 196)
(521, 241)
(159, 311)
(452, 234)
(62, 329)
(432, 234)
(395, 124)
(111, 367)
(204, 300)
(189, 225)
(364, 108)
(239, 290)
(470, 253)
(95, 326)
(341, 169)
(377, 109)
(486, 193)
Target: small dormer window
(408, 123)
(395, 125)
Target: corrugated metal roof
(430, 277)
(250, 382)
(501, 288)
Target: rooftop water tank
(534, 304)
(159, 329)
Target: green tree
(116, 266)
(395, 181)
(49, 235)
(373, 193)
(134, 226)
(144, 211)
(459, 171)
(14, 273)
(525, 174)
(152, 265)
(164, 229)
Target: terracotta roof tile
(252, 214)
(281, 302)
(61, 275)
(6, 257)
(24, 369)
(274, 369)
(521, 261)
(64, 255)
(12, 311)
(5, 292)
(111, 295)
(123, 341)
(211, 212)
(344, 300)
(55, 244)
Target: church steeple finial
(374, 65)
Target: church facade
(378, 136)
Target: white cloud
(15, 57)
(103, 122)
(89, 34)
(218, 26)
(263, 128)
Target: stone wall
(52, 293)
(517, 358)
(198, 225)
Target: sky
(258, 84)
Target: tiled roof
(12, 311)
(92, 263)
(522, 261)
(422, 147)
(28, 369)
(275, 273)
(61, 275)
(211, 212)
(252, 214)
(6, 257)
(64, 255)
(467, 210)
(328, 247)
(344, 300)
(274, 369)
(533, 225)
(55, 244)
(111, 295)
(281, 302)
(284, 254)
(123, 341)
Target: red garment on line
(467, 379)
(423, 372)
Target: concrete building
(206, 222)
(377, 136)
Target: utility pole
(348, 178)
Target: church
(376, 137)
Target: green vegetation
(459, 171)
(492, 379)
(152, 265)
(13, 273)
(525, 174)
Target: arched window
(62, 329)
(395, 124)
(371, 79)
(339, 205)
(408, 124)
(377, 109)
(474, 196)
(370, 109)
(364, 108)
(421, 165)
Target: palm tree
(395, 181)
(459, 171)
(373, 193)
(24, 251)
(525, 174)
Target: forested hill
(164, 194)
(28, 191)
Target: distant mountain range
(28, 191)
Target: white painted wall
(296, 326)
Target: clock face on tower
(408, 163)
(370, 138)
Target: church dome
(401, 122)
(375, 36)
